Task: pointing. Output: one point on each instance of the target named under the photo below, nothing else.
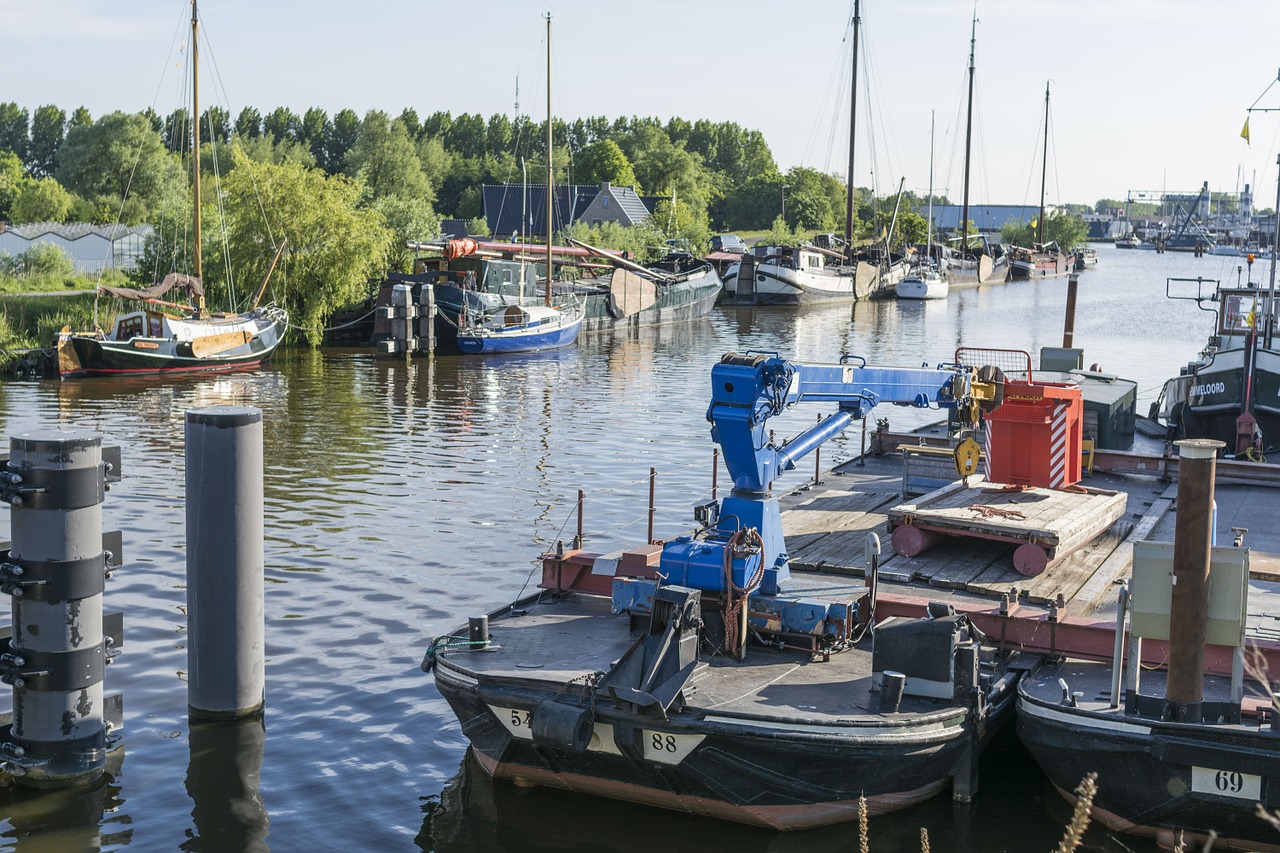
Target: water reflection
(64, 821)
(222, 782)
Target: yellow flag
(1244, 132)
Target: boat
(1181, 751)
(1128, 241)
(701, 675)
(168, 338)
(792, 275)
(1041, 259)
(925, 281)
(521, 327)
(1085, 257)
(964, 262)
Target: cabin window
(128, 327)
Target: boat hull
(1206, 403)
(1039, 267)
(81, 356)
(534, 341)
(1154, 778)
(775, 284)
(788, 778)
(915, 288)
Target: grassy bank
(33, 321)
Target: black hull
(1145, 776)
(775, 777)
(106, 358)
(1216, 399)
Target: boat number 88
(664, 743)
(1228, 780)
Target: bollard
(1069, 326)
(55, 571)
(224, 562)
(1189, 609)
(892, 685)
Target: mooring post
(55, 571)
(224, 563)
(1069, 326)
(653, 478)
(1189, 610)
(577, 540)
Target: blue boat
(521, 328)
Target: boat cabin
(1240, 311)
(139, 324)
(523, 317)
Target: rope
(332, 328)
(735, 596)
(996, 512)
(445, 642)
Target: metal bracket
(37, 670)
(51, 488)
(60, 580)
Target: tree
(282, 123)
(343, 135)
(679, 221)
(335, 247)
(47, 131)
(79, 118)
(604, 161)
(42, 201)
(409, 116)
(314, 132)
(13, 129)
(13, 179)
(410, 220)
(177, 130)
(815, 201)
(912, 229)
(249, 123)
(384, 159)
(117, 154)
(1066, 229)
(157, 123)
(215, 125)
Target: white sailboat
(925, 281)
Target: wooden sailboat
(1043, 259)
(803, 274)
(526, 328)
(166, 337)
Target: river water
(403, 498)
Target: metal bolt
(16, 500)
(19, 682)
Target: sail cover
(174, 280)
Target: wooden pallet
(1047, 525)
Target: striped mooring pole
(54, 570)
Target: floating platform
(1047, 525)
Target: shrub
(45, 259)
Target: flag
(1244, 132)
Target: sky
(1146, 95)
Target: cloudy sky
(1145, 94)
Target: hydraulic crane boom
(747, 390)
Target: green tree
(1018, 233)
(117, 154)
(79, 118)
(343, 135)
(410, 220)
(215, 125)
(912, 229)
(45, 259)
(176, 134)
(1066, 229)
(409, 117)
(282, 123)
(13, 129)
(604, 161)
(335, 247)
(815, 201)
(679, 221)
(385, 161)
(436, 160)
(249, 123)
(264, 149)
(47, 132)
(43, 200)
(315, 132)
(13, 179)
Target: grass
(27, 322)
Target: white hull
(775, 282)
(915, 287)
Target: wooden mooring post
(55, 570)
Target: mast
(968, 138)
(853, 125)
(928, 240)
(550, 186)
(1044, 164)
(1275, 247)
(196, 260)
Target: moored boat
(1038, 261)
(521, 328)
(699, 675)
(924, 282)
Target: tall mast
(968, 138)
(1044, 163)
(550, 187)
(853, 125)
(928, 240)
(197, 265)
(1275, 247)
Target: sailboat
(961, 264)
(1042, 259)
(527, 328)
(925, 281)
(165, 337)
(801, 274)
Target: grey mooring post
(55, 570)
(224, 563)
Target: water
(402, 498)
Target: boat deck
(566, 640)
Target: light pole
(784, 202)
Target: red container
(1034, 438)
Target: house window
(605, 203)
